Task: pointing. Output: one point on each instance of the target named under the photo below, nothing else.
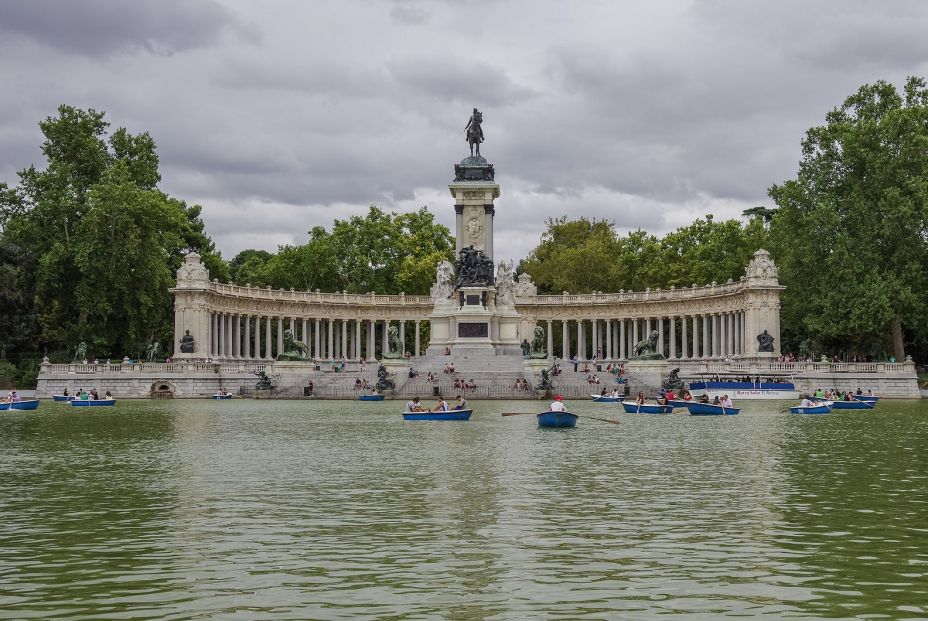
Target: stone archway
(162, 389)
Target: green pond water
(341, 510)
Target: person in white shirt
(557, 405)
(806, 403)
(726, 402)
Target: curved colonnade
(230, 322)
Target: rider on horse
(474, 131)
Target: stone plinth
(646, 375)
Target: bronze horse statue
(474, 132)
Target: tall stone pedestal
(646, 375)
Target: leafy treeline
(851, 232)
(381, 252)
(89, 244)
(581, 256)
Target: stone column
(357, 339)
(268, 343)
(293, 326)
(384, 342)
(551, 339)
(344, 329)
(609, 349)
(672, 325)
(684, 346)
(258, 336)
(565, 340)
(705, 336)
(581, 340)
(631, 346)
(371, 350)
(317, 339)
(403, 335)
(660, 335)
(418, 344)
(622, 339)
(330, 338)
(246, 353)
(237, 335)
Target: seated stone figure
(293, 349)
(384, 381)
(673, 381)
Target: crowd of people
(441, 406)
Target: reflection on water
(336, 510)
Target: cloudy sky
(281, 115)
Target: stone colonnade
(252, 336)
(704, 336)
(709, 322)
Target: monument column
(621, 339)
(258, 336)
(609, 350)
(551, 339)
(344, 329)
(418, 343)
(672, 322)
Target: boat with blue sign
(744, 387)
(852, 405)
(370, 398)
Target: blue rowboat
(221, 396)
(63, 397)
(820, 408)
(606, 399)
(709, 409)
(557, 419)
(93, 402)
(677, 403)
(23, 404)
(372, 398)
(449, 415)
(648, 408)
(852, 405)
(867, 399)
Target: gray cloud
(648, 114)
(104, 27)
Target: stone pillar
(258, 336)
(705, 336)
(293, 326)
(565, 339)
(660, 335)
(403, 336)
(672, 324)
(304, 335)
(317, 342)
(631, 346)
(594, 337)
(418, 344)
(214, 334)
(330, 338)
(227, 334)
(357, 339)
(384, 342)
(609, 350)
(246, 353)
(581, 340)
(622, 339)
(371, 329)
(684, 345)
(344, 328)
(236, 336)
(268, 343)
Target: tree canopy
(851, 232)
(101, 241)
(581, 256)
(381, 252)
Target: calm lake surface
(341, 510)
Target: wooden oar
(605, 420)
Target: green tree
(381, 252)
(851, 232)
(83, 247)
(121, 250)
(253, 259)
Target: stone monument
(474, 310)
